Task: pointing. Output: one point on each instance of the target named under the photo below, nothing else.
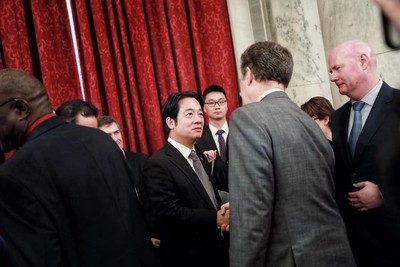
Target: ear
(170, 123)
(249, 76)
(22, 108)
(326, 120)
(364, 61)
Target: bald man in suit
(367, 172)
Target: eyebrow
(192, 109)
(215, 100)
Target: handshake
(223, 218)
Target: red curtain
(35, 37)
(135, 53)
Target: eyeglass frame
(214, 103)
(8, 101)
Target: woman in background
(320, 109)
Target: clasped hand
(368, 197)
(223, 217)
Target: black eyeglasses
(213, 103)
(7, 101)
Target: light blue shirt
(369, 100)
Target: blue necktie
(357, 126)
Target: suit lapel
(182, 164)
(208, 138)
(344, 136)
(375, 118)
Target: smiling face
(114, 132)
(188, 126)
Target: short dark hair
(106, 120)
(171, 106)
(213, 88)
(268, 61)
(318, 108)
(70, 109)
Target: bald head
(356, 48)
(353, 68)
(23, 99)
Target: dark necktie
(222, 145)
(357, 126)
(204, 179)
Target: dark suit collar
(45, 126)
(208, 138)
(179, 161)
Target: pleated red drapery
(135, 53)
(35, 37)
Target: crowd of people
(280, 185)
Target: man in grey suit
(282, 206)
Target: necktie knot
(357, 106)
(220, 132)
(193, 155)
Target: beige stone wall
(310, 29)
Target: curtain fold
(135, 53)
(36, 37)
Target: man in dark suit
(135, 160)
(184, 201)
(216, 133)
(79, 112)
(65, 195)
(367, 166)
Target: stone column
(294, 24)
(343, 20)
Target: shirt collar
(269, 92)
(215, 129)
(184, 150)
(370, 98)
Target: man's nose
(114, 137)
(333, 77)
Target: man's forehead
(109, 126)
(215, 95)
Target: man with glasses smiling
(216, 132)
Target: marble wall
(310, 29)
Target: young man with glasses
(216, 133)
